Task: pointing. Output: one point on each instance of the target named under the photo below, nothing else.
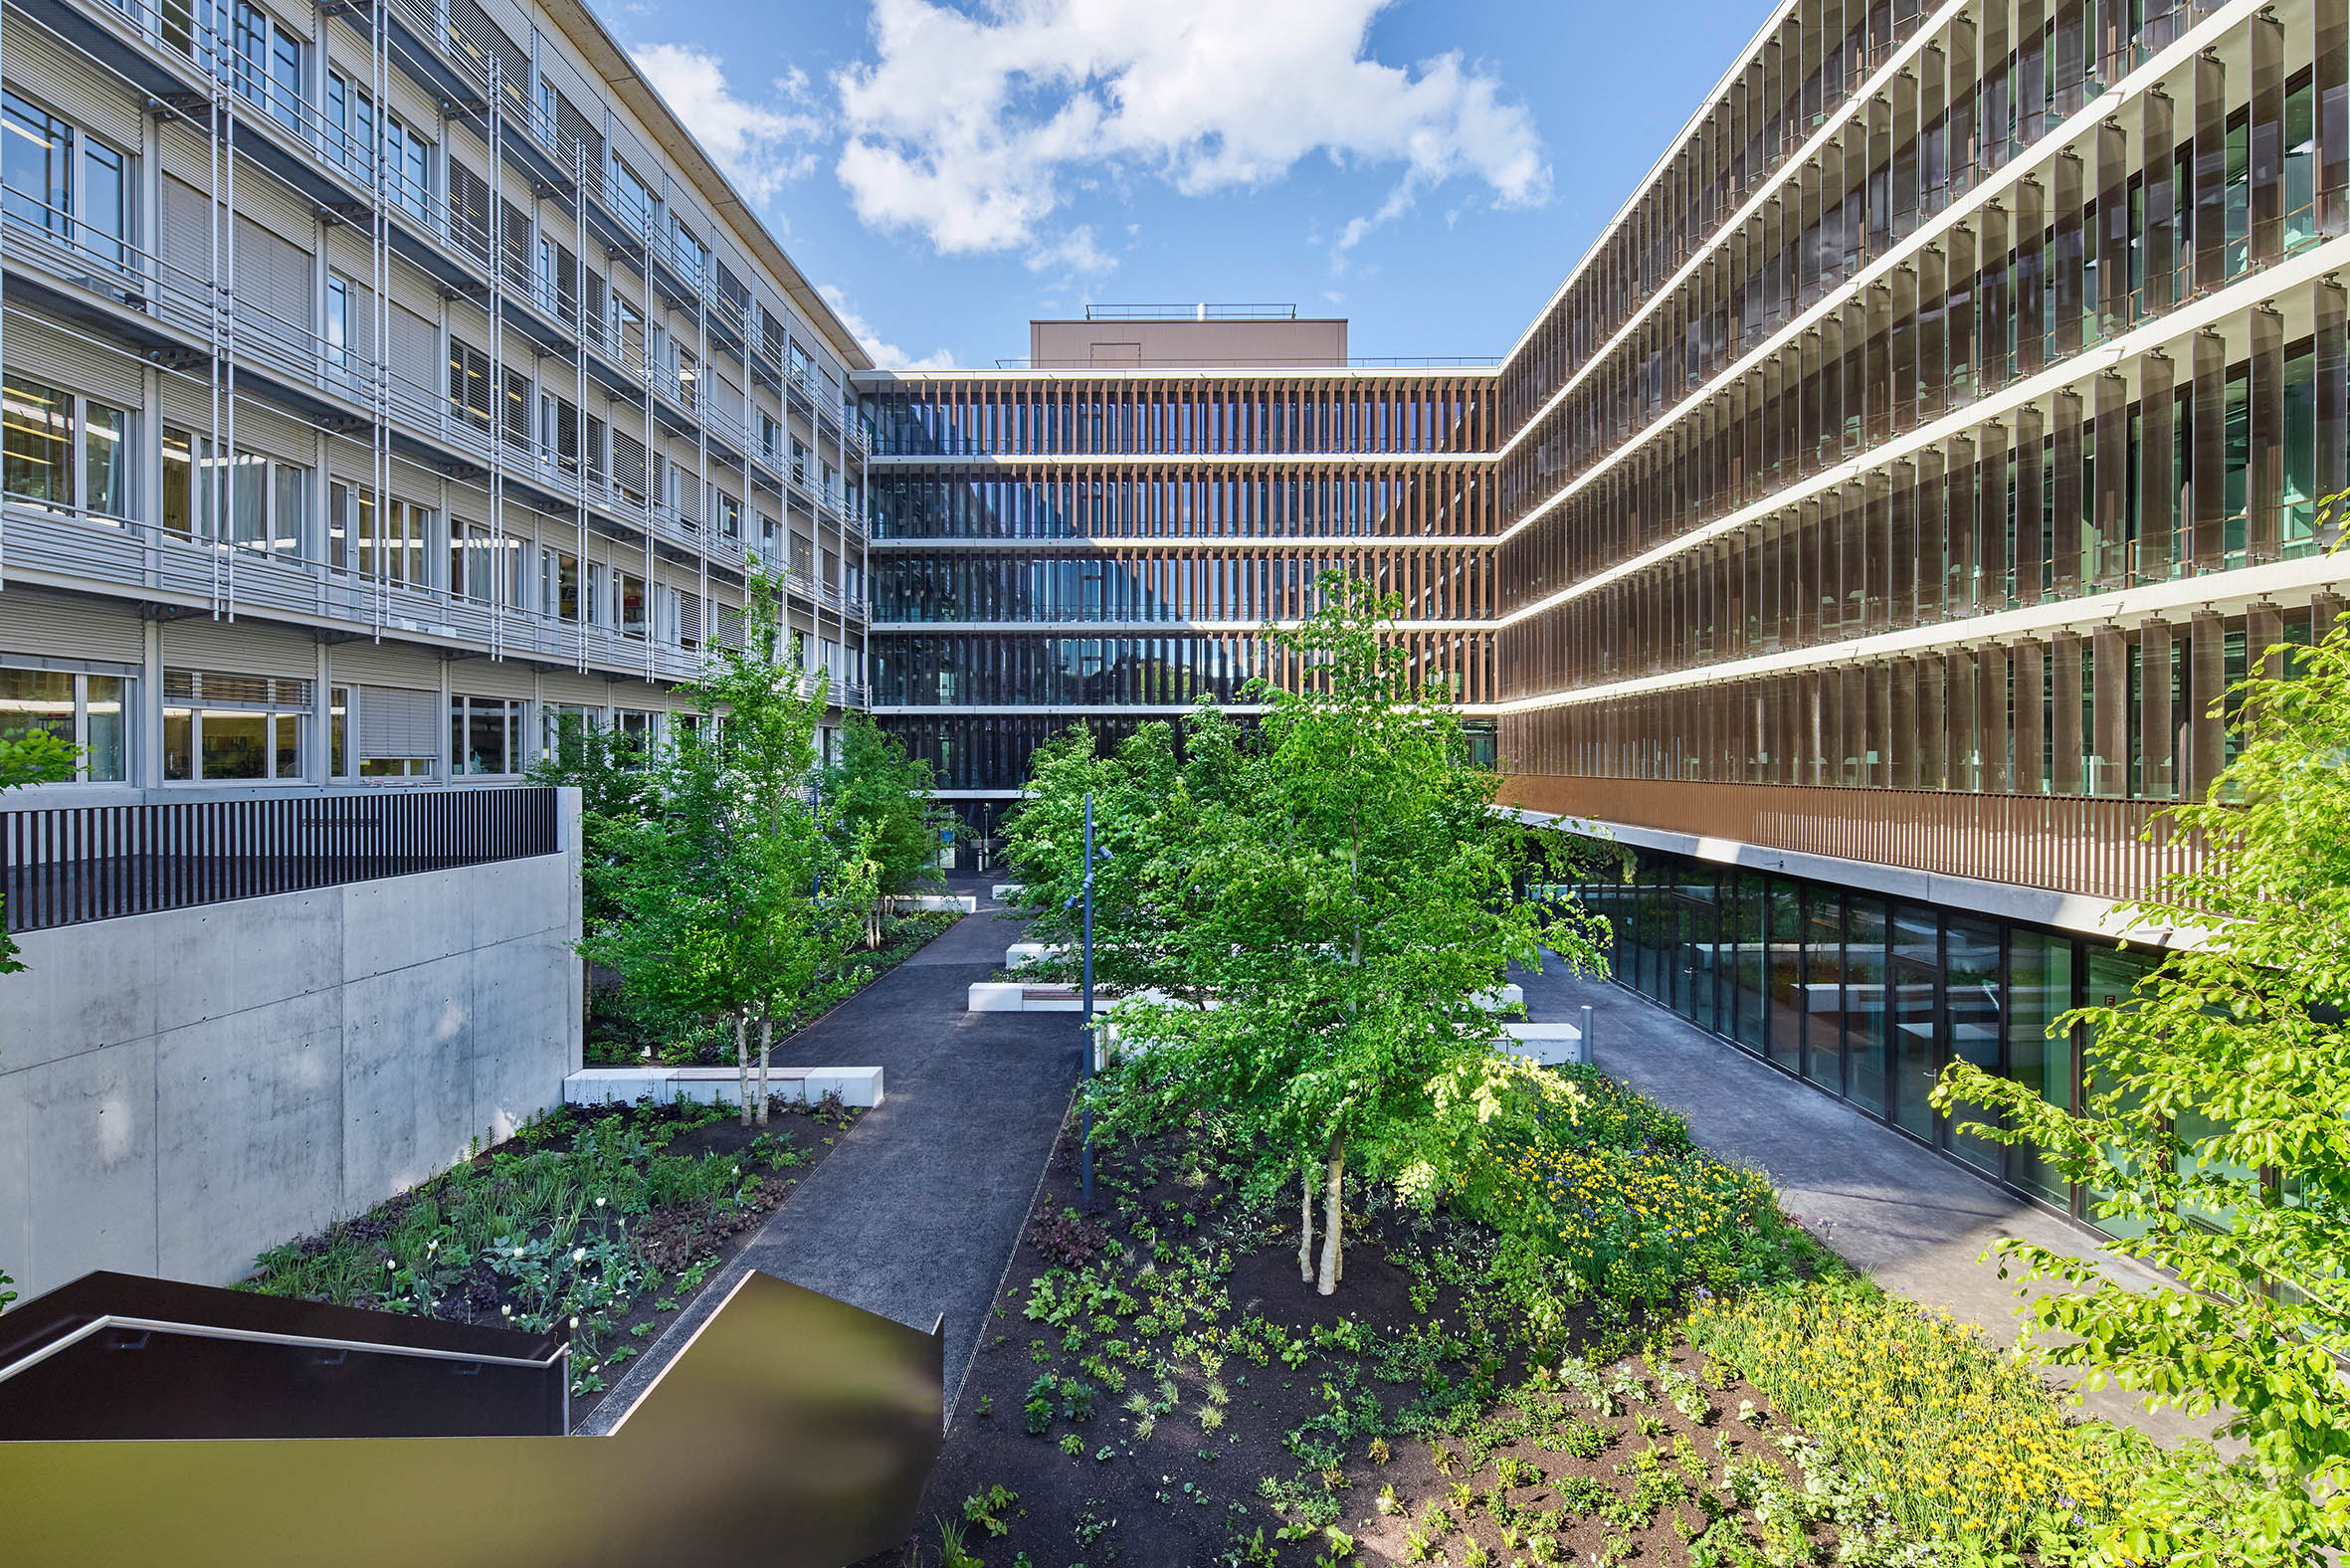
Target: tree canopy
(1322, 907)
(2215, 1131)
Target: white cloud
(1074, 252)
(761, 148)
(887, 355)
(968, 129)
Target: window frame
(80, 729)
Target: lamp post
(1086, 1071)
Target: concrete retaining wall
(180, 1090)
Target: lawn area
(1607, 1347)
(609, 1220)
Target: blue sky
(947, 170)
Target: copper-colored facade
(1952, 412)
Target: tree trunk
(1305, 1221)
(1333, 1214)
(742, 1064)
(767, 1044)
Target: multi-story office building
(1893, 490)
(382, 384)
(1102, 533)
(1862, 534)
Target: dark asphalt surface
(916, 1214)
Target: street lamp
(1085, 1063)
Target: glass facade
(1864, 997)
(1181, 514)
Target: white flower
(579, 1254)
(506, 1311)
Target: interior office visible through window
(484, 735)
(219, 725)
(64, 452)
(81, 709)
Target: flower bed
(600, 1223)
(1961, 1440)
(1515, 1380)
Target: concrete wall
(180, 1090)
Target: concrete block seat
(718, 1086)
(931, 903)
(1007, 892)
(1020, 954)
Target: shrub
(1069, 1239)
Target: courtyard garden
(1672, 1372)
(598, 1224)
(1350, 1283)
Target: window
(484, 735)
(268, 63)
(85, 710)
(636, 202)
(408, 166)
(481, 567)
(558, 585)
(219, 725)
(640, 728)
(730, 512)
(518, 408)
(629, 593)
(64, 452)
(188, 480)
(268, 504)
(338, 732)
(342, 327)
(469, 384)
(60, 181)
(351, 125)
(557, 719)
(691, 255)
(771, 438)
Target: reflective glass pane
(104, 758)
(1784, 974)
(37, 443)
(1823, 989)
(36, 701)
(1866, 1002)
(1971, 1003)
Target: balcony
(2101, 849)
(75, 863)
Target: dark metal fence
(67, 864)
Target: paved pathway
(1917, 1223)
(917, 1213)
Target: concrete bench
(718, 1086)
(1010, 996)
(1007, 892)
(931, 903)
(1502, 998)
(1547, 1045)
(1020, 954)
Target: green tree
(1131, 788)
(1337, 895)
(2214, 1129)
(611, 771)
(34, 757)
(877, 794)
(730, 899)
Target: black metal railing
(64, 866)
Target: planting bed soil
(601, 1222)
(1158, 1387)
(1207, 1406)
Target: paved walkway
(917, 1212)
(1915, 1221)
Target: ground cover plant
(597, 1224)
(1506, 1382)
